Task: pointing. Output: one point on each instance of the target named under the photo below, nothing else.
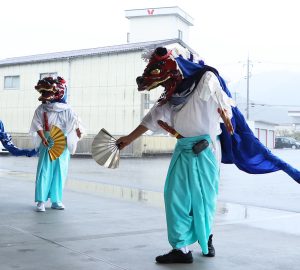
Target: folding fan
(59, 142)
(105, 150)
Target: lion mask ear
(161, 51)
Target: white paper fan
(105, 150)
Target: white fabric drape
(60, 115)
(198, 116)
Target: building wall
(265, 132)
(17, 106)
(157, 144)
(295, 120)
(101, 89)
(161, 27)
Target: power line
(269, 105)
(274, 105)
(280, 63)
(248, 82)
(260, 62)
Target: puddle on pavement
(227, 213)
(259, 217)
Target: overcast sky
(224, 31)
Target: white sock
(185, 249)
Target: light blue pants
(191, 190)
(51, 175)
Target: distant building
(101, 81)
(158, 23)
(265, 132)
(295, 115)
(267, 121)
(101, 89)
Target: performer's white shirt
(60, 115)
(199, 116)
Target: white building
(158, 23)
(101, 81)
(265, 132)
(295, 115)
(101, 89)
(267, 122)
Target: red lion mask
(161, 70)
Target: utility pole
(248, 81)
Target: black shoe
(175, 256)
(211, 249)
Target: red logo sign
(150, 11)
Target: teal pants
(190, 194)
(51, 175)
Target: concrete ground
(113, 227)
(145, 177)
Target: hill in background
(272, 95)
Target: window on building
(179, 34)
(49, 74)
(12, 82)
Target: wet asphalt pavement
(110, 222)
(274, 190)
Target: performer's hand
(45, 142)
(126, 140)
(226, 120)
(122, 142)
(43, 138)
(78, 132)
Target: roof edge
(38, 58)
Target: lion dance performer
(53, 114)
(194, 103)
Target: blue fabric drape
(6, 141)
(242, 148)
